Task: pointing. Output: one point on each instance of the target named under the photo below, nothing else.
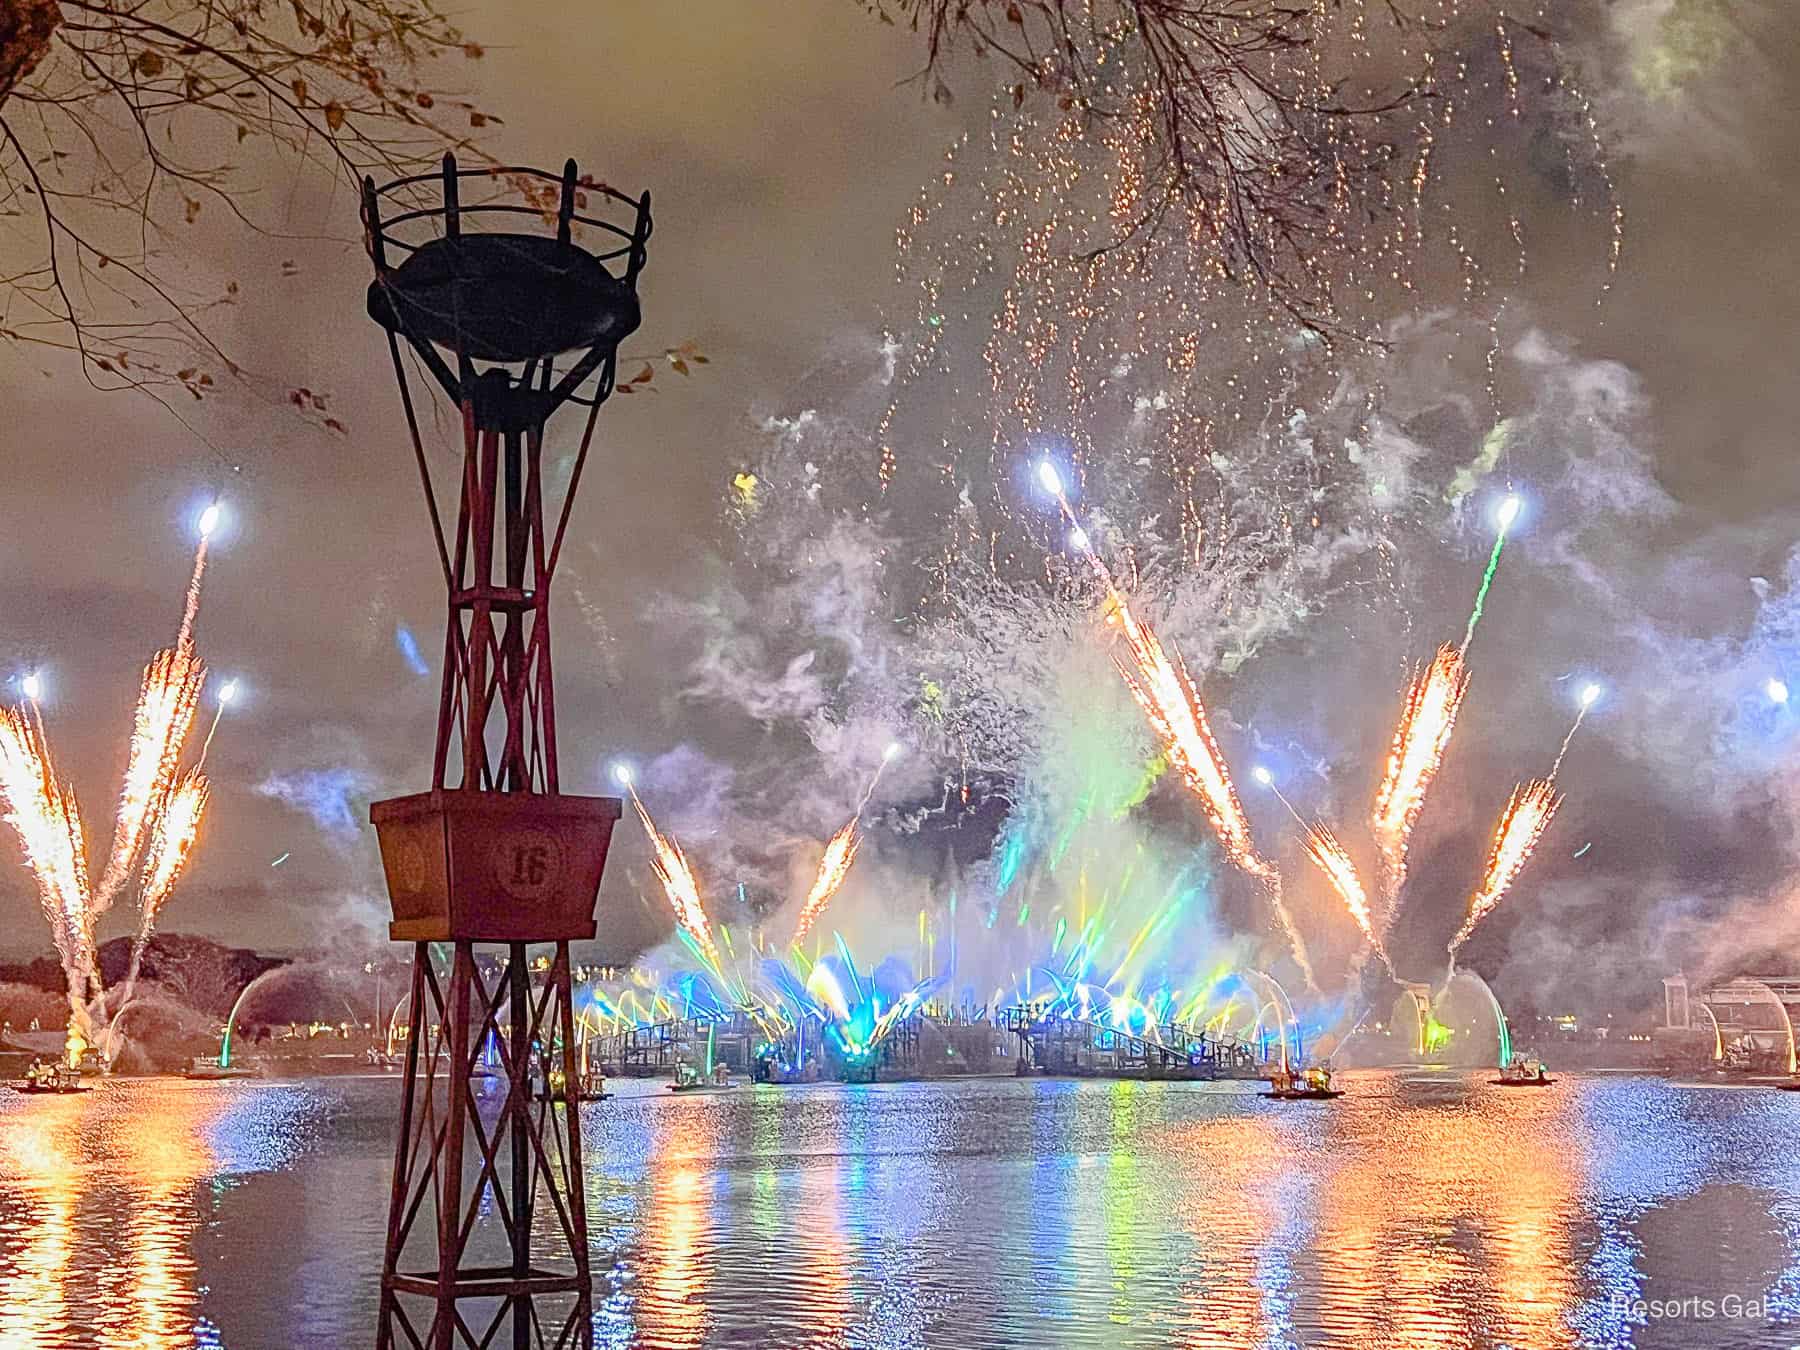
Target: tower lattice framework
(494, 870)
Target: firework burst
(671, 867)
(159, 811)
(166, 857)
(1331, 858)
(834, 866)
(47, 818)
(1527, 815)
(167, 703)
(1427, 718)
(177, 827)
(1163, 689)
(1056, 275)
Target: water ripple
(1418, 1211)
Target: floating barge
(51, 1079)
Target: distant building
(1744, 1022)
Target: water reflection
(675, 1258)
(162, 1165)
(98, 1213)
(1412, 1214)
(823, 1194)
(1448, 1219)
(994, 1213)
(1231, 1204)
(37, 1223)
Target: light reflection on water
(1419, 1211)
(100, 1204)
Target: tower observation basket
(514, 304)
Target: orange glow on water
(98, 1218)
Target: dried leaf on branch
(119, 118)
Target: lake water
(1422, 1209)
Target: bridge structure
(1064, 1045)
(1746, 1021)
(647, 1049)
(922, 1045)
(737, 1040)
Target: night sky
(782, 147)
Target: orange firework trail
(671, 867)
(840, 852)
(833, 868)
(167, 703)
(1163, 689)
(166, 858)
(190, 611)
(173, 844)
(1329, 855)
(47, 819)
(1527, 815)
(1165, 692)
(1427, 718)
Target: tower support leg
(485, 1151)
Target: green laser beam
(1487, 579)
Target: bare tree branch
(123, 120)
(1254, 136)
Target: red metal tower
(512, 325)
